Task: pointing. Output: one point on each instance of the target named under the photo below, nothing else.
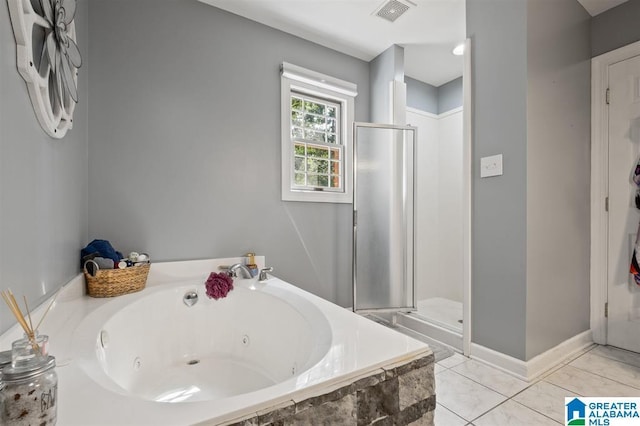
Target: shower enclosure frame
(409, 212)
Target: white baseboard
(536, 366)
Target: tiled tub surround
(393, 395)
(361, 357)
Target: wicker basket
(116, 282)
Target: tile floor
(471, 393)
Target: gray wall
(43, 183)
(531, 84)
(421, 95)
(450, 95)
(615, 28)
(386, 67)
(185, 141)
(436, 100)
(498, 32)
(558, 164)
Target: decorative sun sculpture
(48, 59)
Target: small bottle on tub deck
(251, 264)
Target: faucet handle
(227, 270)
(263, 274)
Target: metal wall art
(48, 59)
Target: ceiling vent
(392, 9)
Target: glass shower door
(383, 216)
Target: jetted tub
(148, 359)
(258, 336)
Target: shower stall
(408, 225)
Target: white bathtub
(147, 359)
(258, 336)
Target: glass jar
(30, 386)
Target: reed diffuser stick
(10, 300)
(48, 309)
(26, 306)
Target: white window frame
(300, 80)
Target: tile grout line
(608, 378)
(529, 385)
(535, 411)
(541, 379)
(493, 390)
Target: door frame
(599, 183)
(467, 194)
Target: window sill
(317, 197)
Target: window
(317, 119)
(317, 144)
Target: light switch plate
(491, 166)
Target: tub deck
(365, 360)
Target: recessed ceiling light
(458, 50)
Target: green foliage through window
(317, 146)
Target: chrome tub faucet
(232, 271)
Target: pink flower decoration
(218, 285)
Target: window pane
(331, 125)
(296, 118)
(314, 136)
(314, 107)
(315, 122)
(331, 111)
(313, 180)
(300, 149)
(335, 181)
(299, 164)
(297, 133)
(319, 180)
(331, 138)
(316, 151)
(299, 179)
(335, 154)
(335, 167)
(296, 103)
(317, 166)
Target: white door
(623, 295)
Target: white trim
(467, 202)
(305, 81)
(467, 193)
(422, 113)
(536, 366)
(599, 183)
(317, 79)
(545, 361)
(451, 112)
(514, 366)
(432, 115)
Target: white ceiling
(428, 31)
(595, 7)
